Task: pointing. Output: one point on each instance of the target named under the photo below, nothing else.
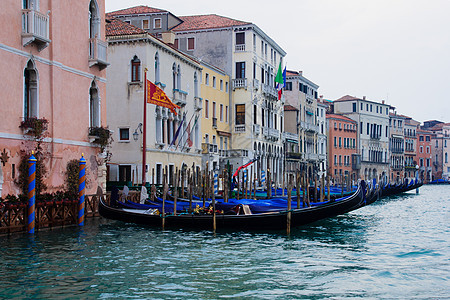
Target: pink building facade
(52, 67)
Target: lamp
(135, 133)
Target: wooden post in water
(175, 192)
(307, 190)
(315, 188)
(269, 185)
(251, 181)
(297, 187)
(322, 188)
(165, 189)
(342, 187)
(213, 203)
(183, 175)
(191, 190)
(289, 206)
(153, 190)
(328, 188)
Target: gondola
(274, 220)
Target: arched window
(157, 68)
(94, 20)
(195, 85)
(179, 78)
(94, 106)
(135, 69)
(30, 91)
(446, 158)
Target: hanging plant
(34, 126)
(101, 135)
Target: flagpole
(192, 129)
(144, 137)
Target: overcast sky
(393, 50)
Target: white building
(251, 59)
(373, 141)
(131, 50)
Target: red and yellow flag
(156, 96)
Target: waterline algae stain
(398, 247)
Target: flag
(178, 131)
(280, 80)
(189, 141)
(156, 96)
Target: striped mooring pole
(216, 183)
(31, 192)
(81, 190)
(263, 177)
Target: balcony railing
(274, 133)
(239, 48)
(214, 123)
(311, 156)
(256, 129)
(35, 28)
(179, 97)
(266, 131)
(97, 53)
(239, 128)
(240, 83)
(290, 136)
(294, 155)
(309, 127)
(375, 136)
(209, 148)
(269, 91)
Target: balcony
(274, 133)
(239, 48)
(214, 123)
(397, 150)
(35, 28)
(179, 97)
(198, 103)
(265, 131)
(375, 136)
(209, 148)
(269, 91)
(294, 155)
(239, 83)
(311, 156)
(97, 53)
(290, 137)
(237, 153)
(256, 129)
(255, 83)
(309, 127)
(239, 128)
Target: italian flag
(280, 80)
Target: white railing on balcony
(97, 51)
(240, 83)
(256, 129)
(179, 97)
(290, 136)
(240, 48)
(309, 127)
(266, 131)
(255, 83)
(274, 133)
(239, 128)
(35, 26)
(269, 90)
(311, 156)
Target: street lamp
(135, 133)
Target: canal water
(397, 248)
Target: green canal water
(397, 248)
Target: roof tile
(207, 22)
(142, 9)
(116, 27)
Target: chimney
(364, 97)
(382, 101)
(168, 37)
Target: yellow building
(215, 126)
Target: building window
(145, 24)
(124, 173)
(221, 84)
(214, 81)
(288, 86)
(157, 68)
(446, 158)
(206, 108)
(206, 79)
(240, 114)
(135, 69)
(175, 43)
(240, 69)
(157, 23)
(428, 149)
(30, 91)
(354, 107)
(226, 87)
(421, 138)
(221, 112)
(94, 106)
(94, 20)
(427, 138)
(240, 38)
(226, 113)
(421, 149)
(124, 134)
(214, 109)
(335, 142)
(191, 44)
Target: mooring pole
(31, 192)
(81, 189)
